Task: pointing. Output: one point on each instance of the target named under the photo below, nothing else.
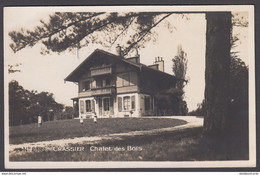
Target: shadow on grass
(63, 129)
(184, 145)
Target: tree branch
(47, 35)
(98, 28)
(146, 32)
(125, 28)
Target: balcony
(103, 70)
(109, 90)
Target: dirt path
(19, 149)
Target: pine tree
(67, 31)
(179, 69)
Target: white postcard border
(151, 164)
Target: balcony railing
(95, 71)
(103, 91)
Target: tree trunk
(217, 72)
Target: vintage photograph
(129, 87)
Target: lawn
(182, 145)
(61, 129)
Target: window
(88, 106)
(147, 103)
(99, 84)
(133, 102)
(126, 80)
(107, 82)
(103, 82)
(106, 104)
(86, 85)
(127, 103)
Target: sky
(47, 72)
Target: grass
(183, 145)
(61, 129)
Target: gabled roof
(73, 76)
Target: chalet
(114, 86)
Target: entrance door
(106, 106)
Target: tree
(238, 94)
(68, 113)
(17, 103)
(217, 72)
(168, 102)
(238, 88)
(238, 82)
(179, 69)
(25, 106)
(200, 111)
(75, 30)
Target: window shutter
(119, 104)
(147, 103)
(81, 106)
(92, 106)
(152, 103)
(133, 102)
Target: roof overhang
(75, 75)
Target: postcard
(129, 87)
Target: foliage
(25, 106)
(74, 30)
(238, 87)
(68, 113)
(179, 67)
(238, 93)
(70, 30)
(14, 68)
(170, 102)
(200, 111)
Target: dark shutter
(92, 106)
(119, 104)
(133, 102)
(152, 103)
(147, 103)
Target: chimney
(118, 50)
(160, 62)
(137, 58)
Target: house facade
(113, 86)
